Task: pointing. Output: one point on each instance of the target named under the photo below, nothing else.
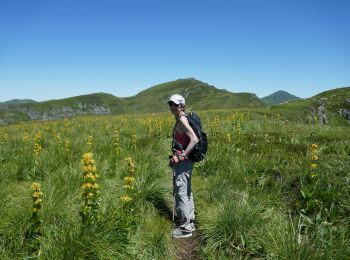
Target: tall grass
(257, 196)
(120, 229)
(254, 193)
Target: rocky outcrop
(345, 112)
(6, 121)
(319, 111)
(66, 111)
(61, 112)
(2, 122)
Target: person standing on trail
(184, 140)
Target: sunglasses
(171, 103)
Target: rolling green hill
(85, 103)
(99, 103)
(17, 101)
(278, 98)
(198, 95)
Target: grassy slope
(199, 96)
(92, 99)
(335, 98)
(255, 195)
(17, 112)
(300, 110)
(14, 116)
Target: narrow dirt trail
(186, 248)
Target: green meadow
(271, 187)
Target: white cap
(177, 99)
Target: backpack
(199, 151)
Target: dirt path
(186, 248)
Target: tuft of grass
(232, 229)
(152, 239)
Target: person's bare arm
(187, 129)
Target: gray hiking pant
(183, 193)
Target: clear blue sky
(56, 49)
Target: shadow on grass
(163, 207)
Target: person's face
(174, 108)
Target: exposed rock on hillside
(321, 111)
(345, 112)
(56, 113)
(66, 111)
(318, 111)
(6, 121)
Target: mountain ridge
(198, 95)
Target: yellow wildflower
(90, 140)
(38, 201)
(128, 187)
(67, 146)
(86, 185)
(90, 176)
(134, 141)
(88, 168)
(87, 158)
(131, 165)
(126, 198)
(313, 166)
(25, 138)
(35, 186)
(37, 194)
(129, 180)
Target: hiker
(184, 140)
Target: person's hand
(181, 156)
(174, 160)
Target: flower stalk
(129, 180)
(314, 158)
(90, 188)
(37, 199)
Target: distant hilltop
(278, 98)
(17, 101)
